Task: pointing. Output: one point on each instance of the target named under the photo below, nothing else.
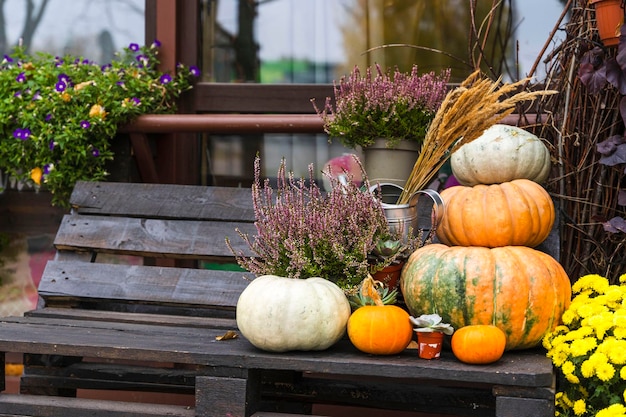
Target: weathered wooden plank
(146, 284)
(34, 405)
(165, 201)
(524, 407)
(221, 396)
(181, 239)
(139, 318)
(199, 346)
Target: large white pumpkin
(502, 153)
(281, 314)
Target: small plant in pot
(430, 331)
(384, 110)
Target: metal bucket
(403, 219)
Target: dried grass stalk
(466, 112)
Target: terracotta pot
(609, 19)
(429, 344)
(389, 275)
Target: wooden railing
(230, 124)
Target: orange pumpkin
(521, 290)
(380, 330)
(478, 344)
(515, 213)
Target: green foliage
(58, 115)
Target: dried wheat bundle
(466, 112)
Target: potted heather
(303, 232)
(382, 113)
(59, 114)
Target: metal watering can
(404, 218)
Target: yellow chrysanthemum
(614, 410)
(587, 369)
(580, 407)
(581, 347)
(617, 352)
(594, 282)
(605, 371)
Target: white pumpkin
(279, 314)
(502, 153)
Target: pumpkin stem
(368, 289)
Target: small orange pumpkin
(478, 344)
(379, 329)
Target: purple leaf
(615, 75)
(608, 146)
(615, 225)
(617, 157)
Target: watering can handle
(438, 207)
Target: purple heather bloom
(21, 77)
(85, 124)
(95, 152)
(195, 71)
(133, 47)
(165, 79)
(21, 134)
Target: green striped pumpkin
(521, 290)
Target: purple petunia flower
(21, 77)
(105, 67)
(133, 47)
(51, 145)
(143, 61)
(21, 134)
(7, 58)
(37, 96)
(136, 101)
(60, 86)
(18, 94)
(195, 71)
(47, 168)
(64, 78)
(95, 152)
(85, 124)
(48, 117)
(156, 43)
(165, 79)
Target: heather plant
(59, 114)
(303, 233)
(394, 107)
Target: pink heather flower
(302, 232)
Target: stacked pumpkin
(485, 271)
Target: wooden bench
(105, 323)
